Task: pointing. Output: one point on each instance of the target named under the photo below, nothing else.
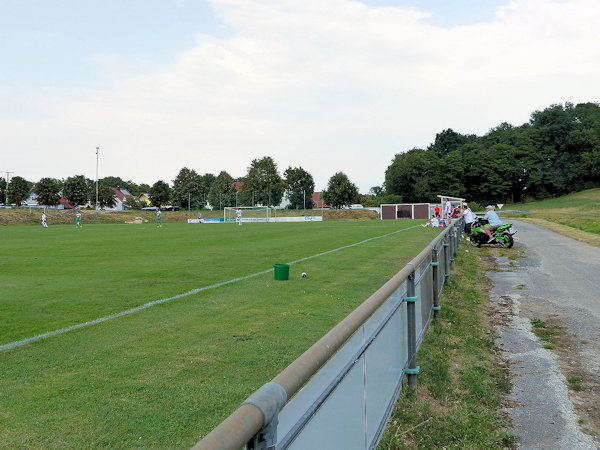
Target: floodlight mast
(97, 148)
(6, 188)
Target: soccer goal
(249, 213)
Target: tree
(340, 191)
(300, 187)
(187, 186)
(133, 203)
(48, 191)
(222, 191)
(448, 140)
(413, 175)
(208, 179)
(376, 191)
(2, 190)
(76, 190)
(263, 182)
(106, 196)
(18, 190)
(110, 181)
(160, 193)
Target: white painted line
(39, 337)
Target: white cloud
(330, 86)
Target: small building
(144, 197)
(406, 211)
(317, 200)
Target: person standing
(158, 218)
(493, 222)
(78, 219)
(44, 224)
(437, 210)
(238, 216)
(447, 212)
(469, 218)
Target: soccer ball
(304, 275)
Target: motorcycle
(503, 235)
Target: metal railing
(341, 391)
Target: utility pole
(6, 190)
(97, 148)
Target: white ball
(304, 275)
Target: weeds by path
(460, 386)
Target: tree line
(262, 185)
(556, 153)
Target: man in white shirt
(433, 222)
(44, 224)
(238, 216)
(447, 212)
(469, 218)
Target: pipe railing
(254, 423)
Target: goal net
(249, 213)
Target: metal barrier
(342, 390)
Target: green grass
(460, 386)
(575, 382)
(580, 210)
(547, 333)
(588, 200)
(166, 375)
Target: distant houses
(31, 201)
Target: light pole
(6, 189)
(97, 148)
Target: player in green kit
(158, 218)
(78, 219)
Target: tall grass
(166, 375)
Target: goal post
(249, 213)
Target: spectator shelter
(416, 210)
(406, 211)
(454, 201)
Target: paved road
(558, 280)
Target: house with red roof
(121, 196)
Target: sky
(331, 86)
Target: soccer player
(44, 224)
(238, 216)
(78, 219)
(158, 218)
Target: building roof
(121, 194)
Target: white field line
(39, 337)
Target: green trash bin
(282, 271)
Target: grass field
(165, 375)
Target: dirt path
(558, 282)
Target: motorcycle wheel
(475, 242)
(506, 240)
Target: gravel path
(558, 281)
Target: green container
(282, 272)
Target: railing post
(269, 399)
(436, 293)
(412, 370)
(266, 438)
(446, 259)
(452, 244)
